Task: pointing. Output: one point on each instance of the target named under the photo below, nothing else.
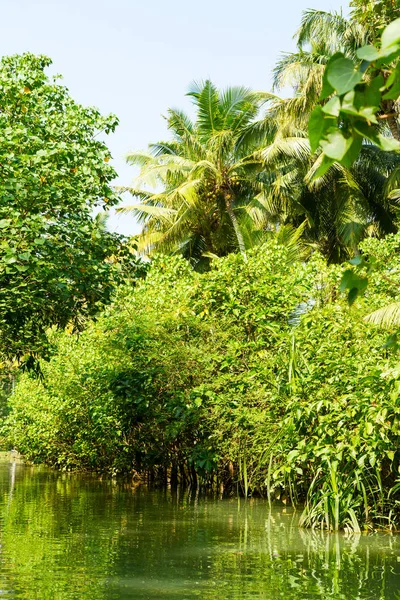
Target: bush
(255, 375)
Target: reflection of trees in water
(313, 564)
(68, 537)
(52, 537)
(332, 557)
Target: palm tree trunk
(394, 128)
(238, 233)
(389, 107)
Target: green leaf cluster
(353, 99)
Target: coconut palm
(320, 35)
(335, 211)
(375, 15)
(193, 189)
(344, 205)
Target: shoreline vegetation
(231, 378)
(248, 353)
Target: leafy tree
(352, 97)
(358, 90)
(375, 15)
(337, 203)
(202, 179)
(54, 170)
(321, 34)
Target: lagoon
(74, 537)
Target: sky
(137, 58)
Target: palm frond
(329, 28)
(140, 159)
(179, 123)
(286, 149)
(162, 148)
(387, 317)
(135, 192)
(256, 134)
(294, 69)
(206, 100)
(146, 209)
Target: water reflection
(69, 537)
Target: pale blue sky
(137, 58)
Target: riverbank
(256, 378)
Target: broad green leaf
(391, 35)
(368, 53)
(332, 107)
(371, 95)
(357, 261)
(352, 296)
(21, 268)
(348, 103)
(343, 75)
(336, 145)
(393, 93)
(318, 125)
(385, 143)
(393, 83)
(357, 104)
(387, 57)
(354, 283)
(393, 77)
(324, 166)
(346, 280)
(353, 152)
(327, 88)
(390, 454)
(369, 428)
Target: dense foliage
(231, 377)
(359, 101)
(251, 372)
(54, 261)
(194, 188)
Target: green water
(72, 537)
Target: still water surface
(70, 537)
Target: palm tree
(375, 15)
(320, 35)
(335, 211)
(193, 189)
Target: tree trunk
(390, 108)
(238, 233)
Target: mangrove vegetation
(245, 342)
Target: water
(69, 537)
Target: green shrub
(256, 375)
(168, 372)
